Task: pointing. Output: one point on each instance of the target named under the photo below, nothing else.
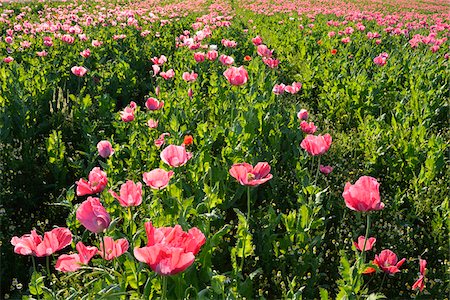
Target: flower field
(253, 149)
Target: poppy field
(252, 149)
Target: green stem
(246, 230)
(103, 245)
(35, 271)
(363, 252)
(381, 286)
(47, 263)
(317, 171)
(164, 288)
(130, 228)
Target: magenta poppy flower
(34, 244)
(364, 195)
(387, 261)
(236, 76)
(316, 145)
(170, 250)
(154, 104)
(96, 183)
(92, 215)
(251, 176)
(130, 194)
(360, 244)
(113, 248)
(175, 156)
(325, 169)
(105, 149)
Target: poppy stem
(47, 263)
(35, 271)
(317, 171)
(164, 288)
(382, 281)
(130, 228)
(363, 252)
(246, 230)
(102, 243)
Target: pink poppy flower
(316, 145)
(73, 262)
(360, 244)
(364, 195)
(152, 123)
(157, 179)
(154, 104)
(387, 262)
(34, 244)
(226, 60)
(308, 128)
(257, 40)
(264, 51)
(325, 169)
(175, 156)
(270, 62)
(130, 194)
(96, 43)
(212, 55)
(78, 71)
(422, 266)
(8, 59)
(105, 149)
(380, 60)
(278, 89)
(302, 114)
(236, 76)
(113, 248)
(156, 70)
(96, 183)
(170, 250)
(160, 140)
(199, 56)
(294, 88)
(419, 284)
(42, 53)
(189, 77)
(167, 75)
(251, 176)
(190, 93)
(127, 115)
(92, 215)
(85, 53)
(346, 40)
(159, 60)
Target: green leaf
(36, 284)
